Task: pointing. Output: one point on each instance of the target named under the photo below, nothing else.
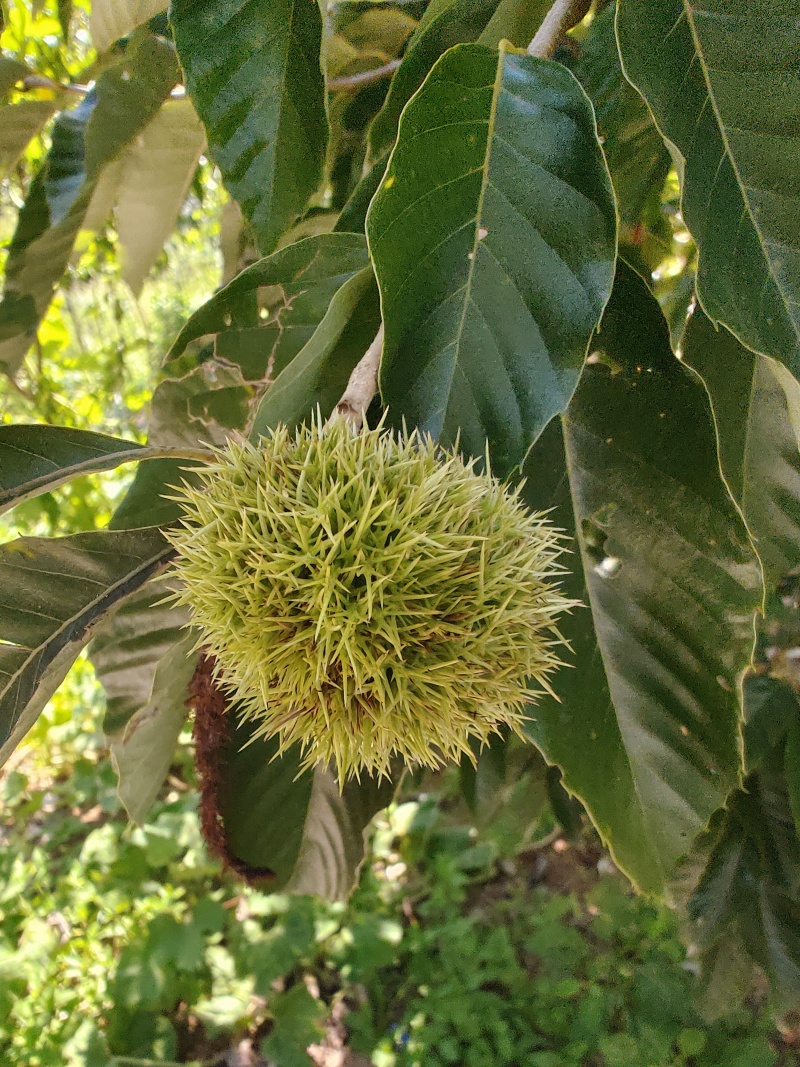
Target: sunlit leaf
(143, 752)
(112, 19)
(19, 124)
(156, 172)
(126, 97)
(493, 237)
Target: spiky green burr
(369, 596)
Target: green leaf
(722, 83)
(580, 733)
(302, 829)
(200, 408)
(253, 72)
(36, 459)
(128, 649)
(637, 157)
(19, 124)
(771, 711)
(56, 592)
(301, 280)
(156, 171)
(12, 71)
(46, 229)
(493, 238)
(297, 1023)
(318, 375)
(443, 26)
(143, 753)
(353, 216)
(126, 97)
(647, 735)
(112, 19)
(756, 405)
(506, 792)
(129, 95)
(747, 896)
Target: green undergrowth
(123, 946)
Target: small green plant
(120, 945)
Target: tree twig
(41, 81)
(363, 385)
(561, 16)
(365, 77)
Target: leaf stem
(202, 455)
(362, 386)
(562, 16)
(365, 77)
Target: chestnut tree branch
(562, 16)
(365, 77)
(363, 385)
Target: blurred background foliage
(464, 943)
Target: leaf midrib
(135, 453)
(496, 90)
(14, 713)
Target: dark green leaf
(65, 10)
(55, 595)
(36, 459)
(580, 732)
(302, 278)
(747, 896)
(722, 82)
(637, 156)
(756, 405)
(253, 72)
(301, 828)
(493, 238)
(771, 711)
(353, 216)
(318, 375)
(443, 26)
(673, 586)
(506, 791)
